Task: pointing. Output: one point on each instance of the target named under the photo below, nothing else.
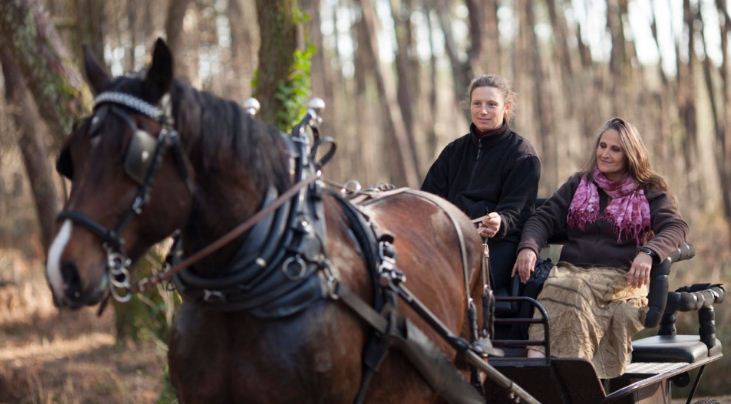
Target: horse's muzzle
(75, 295)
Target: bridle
(142, 162)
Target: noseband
(142, 161)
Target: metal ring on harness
(119, 285)
(300, 270)
(120, 294)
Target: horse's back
(430, 235)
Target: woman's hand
(525, 263)
(489, 225)
(639, 272)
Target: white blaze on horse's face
(53, 266)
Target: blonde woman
(490, 173)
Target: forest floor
(48, 356)
(52, 356)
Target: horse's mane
(214, 125)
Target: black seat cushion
(676, 348)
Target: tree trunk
(433, 113)
(686, 103)
(363, 71)
(542, 110)
(243, 56)
(390, 110)
(56, 84)
(563, 52)
(31, 145)
(407, 73)
(461, 72)
(724, 141)
(476, 14)
(653, 28)
(322, 73)
(618, 61)
(492, 54)
(278, 33)
(174, 35)
(132, 27)
(90, 19)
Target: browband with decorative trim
(128, 101)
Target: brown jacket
(597, 245)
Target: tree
(56, 84)
(174, 34)
(31, 145)
(406, 174)
(281, 84)
(90, 19)
(242, 22)
(407, 73)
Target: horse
(219, 169)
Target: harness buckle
(138, 203)
(387, 267)
(211, 296)
(331, 282)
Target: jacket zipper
(477, 159)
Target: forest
(394, 77)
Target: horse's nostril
(71, 279)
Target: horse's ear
(95, 73)
(159, 77)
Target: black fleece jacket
(498, 172)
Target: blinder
(139, 156)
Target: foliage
(147, 316)
(167, 395)
(292, 94)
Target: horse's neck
(228, 195)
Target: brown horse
(216, 173)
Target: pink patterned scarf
(628, 211)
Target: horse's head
(131, 183)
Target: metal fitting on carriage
(315, 106)
(350, 187)
(252, 106)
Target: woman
(490, 173)
(619, 219)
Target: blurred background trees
(394, 75)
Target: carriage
(324, 293)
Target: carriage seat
(667, 346)
(506, 308)
(673, 348)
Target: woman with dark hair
(618, 218)
(490, 173)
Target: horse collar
(274, 272)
